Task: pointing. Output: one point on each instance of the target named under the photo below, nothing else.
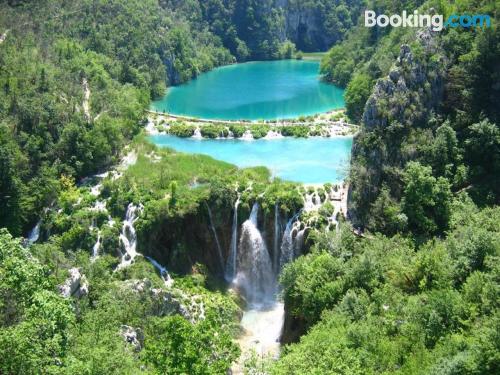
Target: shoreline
(282, 121)
(328, 124)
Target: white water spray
(197, 134)
(163, 272)
(217, 243)
(128, 236)
(97, 246)
(233, 251)
(34, 233)
(254, 268)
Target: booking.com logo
(435, 21)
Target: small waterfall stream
(217, 243)
(277, 232)
(34, 233)
(233, 251)
(163, 272)
(128, 236)
(287, 244)
(97, 246)
(128, 239)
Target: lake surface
(254, 91)
(307, 160)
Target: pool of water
(307, 160)
(253, 91)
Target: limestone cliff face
(304, 25)
(410, 91)
(400, 103)
(181, 241)
(173, 75)
(316, 25)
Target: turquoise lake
(254, 91)
(307, 160)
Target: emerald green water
(307, 160)
(254, 91)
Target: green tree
(357, 92)
(426, 200)
(35, 320)
(176, 346)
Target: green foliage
(182, 130)
(357, 92)
(213, 131)
(287, 50)
(34, 320)
(426, 200)
(387, 216)
(295, 131)
(309, 287)
(237, 130)
(259, 131)
(482, 152)
(401, 309)
(175, 346)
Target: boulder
(133, 336)
(76, 285)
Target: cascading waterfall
(277, 232)
(128, 236)
(34, 233)
(97, 246)
(255, 275)
(233, 251)
(288, 243)
(299, 242)
(163, 272)
(217, 243)
(197, 134)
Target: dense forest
(409, 284)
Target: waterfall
(308, 202)
(197, 134)
(299, 242)
(247, 136)
(96, 190)
(163, 272)
(97, 246)
(233, 251)
(276, 250)
(128, 236)
(289, 243)
(34, 233)
(212, 227)
(254, 268)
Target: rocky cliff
(400, 103)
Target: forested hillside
(422, 96)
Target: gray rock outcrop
(76, 285)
